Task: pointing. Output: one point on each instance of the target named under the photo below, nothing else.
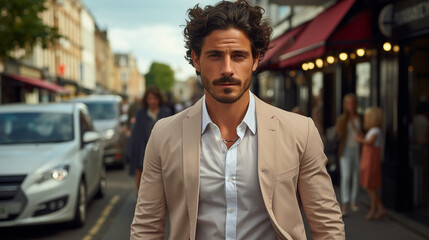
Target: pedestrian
(232, 166)
(370, 165)
(348, 126)
(152, 110)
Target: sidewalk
(393, 226)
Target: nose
(227, 70)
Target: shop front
(404, 96)
(331, 55)
(24, 84)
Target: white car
(105, 111)
(51, 164)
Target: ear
(195, 61)
(255, 63)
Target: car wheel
(80, 210)
(102, 183)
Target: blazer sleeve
(315, 188)
(149, 217)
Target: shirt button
(231, 210)
(229, 179)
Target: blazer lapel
(191, 162)
(267, 150)
(267, 127)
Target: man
(231, 166)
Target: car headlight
(108, 134)
(58, 174)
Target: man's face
(225, 64)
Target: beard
(227, 97)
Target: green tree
(161, 76)
(21, 26)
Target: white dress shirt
(231, 204)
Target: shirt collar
(249, 119)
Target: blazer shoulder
(176, 120)
(271, 111)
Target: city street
(109, 219)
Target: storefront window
(363, 85)
(317, 100)
(419, 124)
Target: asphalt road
(117, 206)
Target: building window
(363, 85)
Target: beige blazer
(291, 166)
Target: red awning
(278, 45)
(312, 42)
(354, 34)
(38, 83)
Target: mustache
(229, 80)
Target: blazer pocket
(284, 175)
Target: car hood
(23, 159)
(101, 125)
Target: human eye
(214, 55)
(239, 56)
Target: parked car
(51, 164)
(105, 111)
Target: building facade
(132, 83)
(80, 63)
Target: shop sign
(411, 18)
(30, 72)
(407, 18)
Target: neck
(154, 110)
(227, 116)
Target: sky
(151, 30)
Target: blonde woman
(370, 166)
(348, 127)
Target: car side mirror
(90, 136)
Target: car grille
(10, 190)
(9, 186)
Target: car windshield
(102, 110)
(35, 127)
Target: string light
(330, 59)
(387, 46)
(343, 56)
(360, 52)
(396, 48)
(304, 66)
(319, 63)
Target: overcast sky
(152, 30)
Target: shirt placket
(231, 193)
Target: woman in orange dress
(370, 165)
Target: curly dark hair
(224, 15)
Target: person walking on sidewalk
(232, 166)
(146, 118)
(348, 126)
(370, 165)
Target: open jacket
(291, 166)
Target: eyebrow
(234, 52)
